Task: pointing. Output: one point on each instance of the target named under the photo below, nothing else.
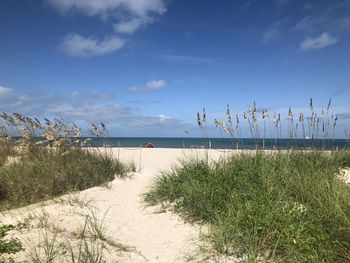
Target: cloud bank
(87, 107)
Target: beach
(115, 218)
(148, 233)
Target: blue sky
(146, 66)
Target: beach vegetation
(8, 245)
(48, 159)
(315, 128)
(267, 206)
(280, 207)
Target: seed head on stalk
(301, 117)
(216, 122)
(199, 121)
(311, 106)
(253, 112)
(229, 116)
(224, 127)
(8, 119)
(204, 116)
(19, 117)
(335, 120)
(290, 113)
(265, 114)
(329, 104)
(103, 126)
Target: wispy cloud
(92, 95)
(321, 24)
(77, 45)
(152, 85)
(309, 24)
(341, 90)
(126, 17)
(318, 42)
(5, 92)
(274, 30)
(333, 18)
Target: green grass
(8, 245)
(42, 173)
(281, 207)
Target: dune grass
(42, 173)
(48, 159)
(264, 207)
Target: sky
(145, 67)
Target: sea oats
(204, 117)
(199, 122)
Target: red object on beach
(149, 145)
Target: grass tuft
(45, 173)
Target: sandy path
(155, 237)
(160, 237)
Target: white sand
(153, 236)
(344, 175)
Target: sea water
(219, 143)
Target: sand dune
(145, 234)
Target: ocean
(219, 143)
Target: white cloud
(130, 26)
(321, 41)
(77, 45)
(5, 92)
(163, 118)
(152, 85)
(126, 16)
(107, 8)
